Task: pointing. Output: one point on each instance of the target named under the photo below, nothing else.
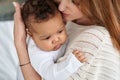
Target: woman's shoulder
(102, 57)
(80, 29)
(88, 38)
(96, 30)
(87, 34)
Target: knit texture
(103, 60)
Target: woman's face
(69, 10)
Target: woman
(98, 19)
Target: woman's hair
(38, 11)
(104, 13)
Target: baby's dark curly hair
(39, 10)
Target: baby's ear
(29, 32)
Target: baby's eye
(60, 31)
(47, 38)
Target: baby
(47, 40)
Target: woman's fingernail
(14, 3)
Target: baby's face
(49, 35)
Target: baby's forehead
(47, 28)
(51, 19)
(37, 19)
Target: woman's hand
(20, 35)
(19, 27)
(20, 43)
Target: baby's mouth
(57, 47)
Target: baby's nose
(56, 39)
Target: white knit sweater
(103, 60)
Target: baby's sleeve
(49, 70)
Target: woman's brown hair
(104, 13)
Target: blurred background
(8, 57)
(7, 9)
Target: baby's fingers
(75, 52)
(82, 59)
(80, 56)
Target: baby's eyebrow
(62, 26)
(43, 36)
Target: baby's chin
(53, 49)
(56, 47)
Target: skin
(20, 41)
(67, 7)
(49, 35)
(71, 12)
(28, 71)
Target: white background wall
(8, 56)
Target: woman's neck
(83, 22)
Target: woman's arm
(20, 43)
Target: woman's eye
(75, 2)
(57, 2)
(72, 1)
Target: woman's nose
(61, 6)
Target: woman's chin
(67, 19)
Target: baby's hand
(79, 56)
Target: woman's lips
(64, 14)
